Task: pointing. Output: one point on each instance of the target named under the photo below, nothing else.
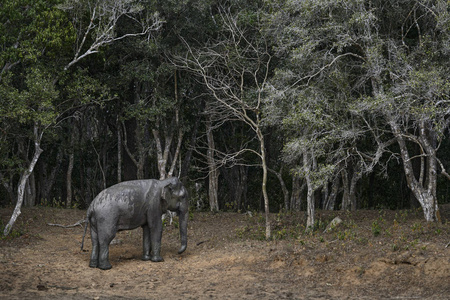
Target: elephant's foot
(93, 263)
(156, 258)
(146, 257)
(105, 266)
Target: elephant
(131, 204)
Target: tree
(104, 16)
(234, 67)
(414, 107)
(38, 42)
(33, 105)
(365, 61)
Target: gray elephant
(131, 204)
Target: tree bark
(331, 199)
(140, 161)
(69, 180)
(424, 193)
(213, 174)
(264, 179)
(283, 187)
(310, 201)
(23, 181)
(346, 195)
(30, 192)
(177, 154)
(119, 152)
(297, 190)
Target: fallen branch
(69, 226)
(199, 243)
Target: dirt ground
(370, 255)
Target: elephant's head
(176, 198)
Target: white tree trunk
(177, 153)
(162, 155)
(264, 180)
(424, 193)
(23, 182)
(310, 192)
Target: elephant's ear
(167, 190)
(164, 198)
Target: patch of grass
(346, 235)
(417, 228)
(14, 233)
(378, 224)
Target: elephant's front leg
(146, 242)
(155, 237)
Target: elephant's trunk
(184, 215)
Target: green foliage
(14, 233)
(34, 103)
(376, 228)
(378, 225)
(338, 71)
(33, 30)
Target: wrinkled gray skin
(131, 204)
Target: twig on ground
(68, 226)
(199, 243)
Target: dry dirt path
(224, 261)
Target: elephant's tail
(88, 216)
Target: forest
(261, 105)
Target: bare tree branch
(104, 16)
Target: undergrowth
(404, 230)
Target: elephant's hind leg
(93, 263)
(104, 239)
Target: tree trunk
(310, 192)
(242, 188)
(424, 193)
(119, 152)
(352, 191)
(346, 195)
(297, 189)
(8, 185)
(47, 182)
(283, 187)
(162, 155)
(23, 181)
(188, 155)
(213, 174)
(331, 199)
(140, 149)
(30, 192)
(69, 180)
(177, 154)
(264, 179)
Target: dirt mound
(371, 254)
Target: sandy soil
(371, 255)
